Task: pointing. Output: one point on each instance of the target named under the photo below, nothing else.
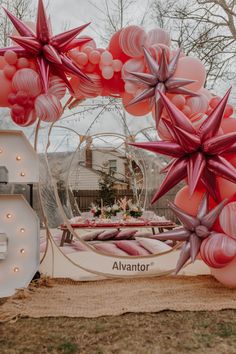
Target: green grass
(152, 333)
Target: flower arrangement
(95, 210)
(123, 206)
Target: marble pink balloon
(132, 65)
(25, 120)
(27, 80)
(48, 107)
(57, 87)
(162, 129)
(218, 250)
(227, 274)
(227, 219)
(198, 104)
(132, 39)
(156, 36)
(92, 89)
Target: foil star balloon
(194, 230)
(197, 154)
(159, 79)
(48, 50)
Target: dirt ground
(161, 333)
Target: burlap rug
(115, 297)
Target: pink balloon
(5, 90)
(9, 71)
(218, 250)
(23, 63)
(130, 88)
(187, 110)
(107, 72)
(24, 120)
(90, 44)
(205, 92)
(81, 58)
(162, 130)
(87, 49)
(106, 58)
(226, 275)
(3, 63)
(198, 104)
(179, 101)
(132, 65)
(87, 89)
(48, 107)
(189, 203)
(115, 49)
(156, 36)
(192, 69)
(227, 189)
(57, 87)
(137, 109)
(12, 98)
(117, 65)
(22, 98)
(214, 101)
(132, 38)
(229, 111)
(196, 119)
(228, 125)
(10, 57)
(227, 219)
(94, 56)
(27, 80)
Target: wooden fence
(84, 199)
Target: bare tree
(116, 14)
(22, 9)
(202, 28)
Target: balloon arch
(42, 74)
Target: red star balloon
(48, 50)
(159, 79)
(194, 230)
(197, 154)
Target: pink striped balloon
(57, 87)
(227, 219)
(25, 120)
(198, 104)
(218, 250)
(131, 39)
(27, 80)
(48, 107)
(90, 89)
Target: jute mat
(115, 297)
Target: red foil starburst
(49, 51)
(197, 153)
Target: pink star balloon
(48, 50)
(159, 79)
(197, 154)
(194, 230)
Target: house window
(112, 166)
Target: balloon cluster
(218, 246)
(141, 68)
(134, 66)
(22, 91)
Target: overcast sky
(74, 13)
